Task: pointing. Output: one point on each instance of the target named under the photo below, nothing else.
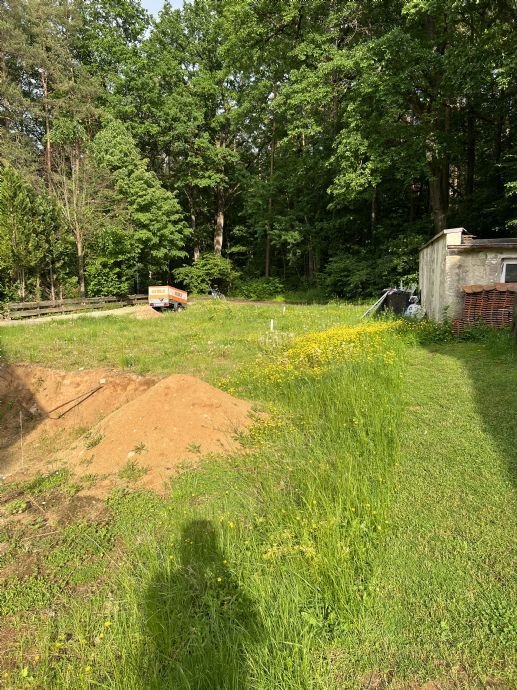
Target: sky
(154, 6)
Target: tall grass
(252, 570)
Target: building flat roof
(472, 243)
(496, 243)
(443, 232)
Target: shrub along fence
(22, 310)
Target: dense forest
(262, 145)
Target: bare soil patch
(178, 419)
(43, 410)
(146, 312)
(120, 427)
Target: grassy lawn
(367, 539)
(444, 592)
(208, 340)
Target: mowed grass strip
(444, 595)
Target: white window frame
(504, 265)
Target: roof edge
(447, 231)
(507, 243)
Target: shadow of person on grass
(492, 370)
(199, 624)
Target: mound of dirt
(40, 406)
(146, 312)
(179, 419)
(97, 421)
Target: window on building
(510, 271)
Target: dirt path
(138, 311)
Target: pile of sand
(46, 402)
(146, 312)
(98, 421)
(180, 418)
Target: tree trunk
(439, 192)
(471, 154)
(48, 150)
(21, 284)
(373, 213)
(80, 268)
(414, 197)
(52, 284)
(193, 225)
(498, 147)
(267, 267)
(219, 223)
(267, 264)
(310, 260)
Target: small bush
(92, 440)
(364, 272)
(433, 332)
(30, 594)
(207, 272)
(43, 483)
(260, 288)
(104, 279)
(16, 506)
(310, 295)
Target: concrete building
(453, 260)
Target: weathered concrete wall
(433, 257)
(432, 277)
(470, 268)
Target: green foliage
(16, 506)
(132, 471)
(159, 230)
(105, 279)
(22, 247)
(208, 272)
(319, 142)
(41, 484)
(92, 440)
(366, 272)
(31, 594)
(260, 288)
(432, 332)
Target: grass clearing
(208, 340)
(368, 533)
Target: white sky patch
(154, 6)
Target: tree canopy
(312, 142)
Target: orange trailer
(167, 297)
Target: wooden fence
(22, 310)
